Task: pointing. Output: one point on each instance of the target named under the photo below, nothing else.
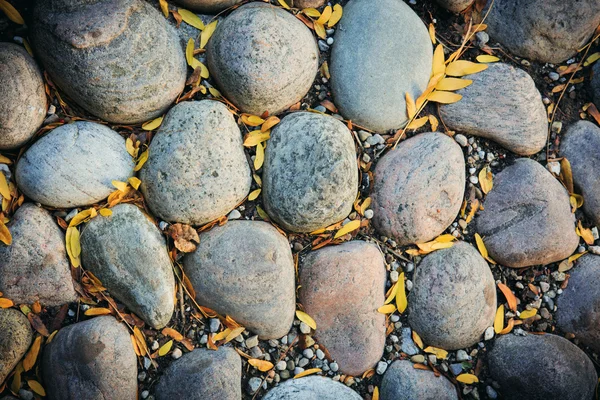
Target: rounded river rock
(14, 341)
(403, 382)
(208, 6)
(312, 388)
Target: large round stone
(455, 5)
(263, 58)
(245, 269)
(542, 30)
(541, 367)
(454, 297)
(74, 165)
(23, 105)
(419, 188)
(120, 60)
(312, 388)
(341, 288)
(91, 360)
(203, 374)
(310, 176)
(127, 252)
(514, 117)
(14, 341)
(197, 170)
(382, 51)
(208, 6)
(526, 218)
(403, 382)
(35, 266)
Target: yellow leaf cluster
(398, 292)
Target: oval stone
(403, 382)
(74, 165)
(208, 6)
(310, 176)
(312, 388)
(197, 170)
(23, 106)
(14, 341)
(245, 269)
(263, 58)
(84, 44)
(370, 82)
(418, 188)
(128, 253)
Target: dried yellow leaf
(386, 309)
(284, 4)
(252, 120)
(261, 365)
(392, 294)
(463, 67)
(585, 233)
(6, 303)
(259, 159)
(499, 319)
(97, 311)
(482, 249)
(234, 333)
(141, 161)
(4, 189)
(452, 84)
(440, 354)
(485, 58)
(5, 160)
(444, 97)
(431, 30)
(255, 137)
(320, 30)
(191, 19)
(468, 379)
(122, 186)
(32, 354)
(375, 393)
(5, 236)
(566, 174)
(575, 257)
(36, 387)
(426, 248)
(364, 206)
(75, 243)
(336, 16)
(130, 147)
(349, 227)
(325, 15)
(152, 125)
(528, 313)
(439, 62)
(310, 371)
(215, 93)
(165, 348)
(311, 12)
(254, 194)
(510, 297)
(417, 339)
(418, 123)
(411, 107)
(70, 246)
(433, 121)
(164, 7)
(307, 319)
(591, 59)
(486, 180)
(269, 123)
(446, 238)
(11, 12)
(82, 216)
(401, 301)
(207, 33)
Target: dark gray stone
(581, 146)
(382, 50)
(527, 218)
(541, 367)
(310, 176)
(245, 269)
(403, 382)
(93, 359)
(14, 341)
(83, 45)
(595, 82)
(311, 388)
(208, 6)
(127, 252)
(263, 58)
(455, 5)
(74, 165)
(35, 267)
(203, 374)
(543, 30)
(453, 300)
(419, 188)
(23, 105)
(503, 105)
(197, 170)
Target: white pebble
(369, 214)
(176, 354)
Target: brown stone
(306, 3)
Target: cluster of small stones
(264, 60)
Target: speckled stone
(208, 6)
(455, 5)
(14, 341)
(311, 388)
(403, 382)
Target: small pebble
(394, 276)
(145, 394)
(176, 354)
(235, 214)
(364, 135)
(473, 180)
(298, 370)
(254, 384)
(334, 366)
(369, 214)
(304, 328)
(252, 341)
(308, 353)
(554, 76)
(381, 367)
(491, 393)
(320, 354)
(418, 359)
(323, 46)
(456, 369)
(462, 355)
(409, 267)
(281, 365)
(489, 333)
(214, 325)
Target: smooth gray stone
(35, 266)
(419, 188)
(453, 300)
(581, 146)
(311, 388)
(382, 50)
(128, 253)
(527, 218)
(310, 176)
(208, 6)
(197, 170)
(542, 30)
(522, 366)
(403, 382)
(263, 58)
(118, 59)
(455, 6)
(203, 374)
(74, 165)
(93, 359)
(23, 106)
(245, 269)
(503, 105)
(14, 341)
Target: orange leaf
(32, 354)
(510, 297)
(307, 372)
(261, 365)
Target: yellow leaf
(69, 245)
(134, 182)
(207, 33)
(484, 58)
(365, 206)
(441, 354)
(164, 7)
(5, 236)
(191, 19)
(262, 213)
(452, 84)
(11, 12)
(97, 311)
(254, 194)
(576, 201)
(445, 238)
(463, 67)
(386, 309)
(165, 348)
(417, 339)
(575, 256)
(82, 216)
(284, 4)
(468, 379)
(6, 303)
(432, 33)
(566, 174)
(269, 123)
(375, 393)
(105, 212)
(141, 161)
(4, 190)
(259, 159)
(509, 327)
(528, 313)
(401, 301)
(172, 333)
(335, 16)
(418, 123)
(433, 121)
(130, 147)
(214, 92)
(310, 371)
(307, 319)
(15, 385)
(320, 30)
(122, 186)
(585, 233)
(255, 137)
(75, 243)
(349, 227)
(234, 333)
(261, 365)
(5, 160)
(152, 125)
(482, 249)
(439, 66)
(36, 387)
(252, 120)
(325, 15)
(392, 294)
(32, 354)
(499, 320)
(411, 107)
(312, 12)
(444, 97)
(486, 180)
(591, 59)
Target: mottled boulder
(341, 289)
(453, 299)
(527, 218)
(208, 6)
(74, 165)
(369, 82)
(245, 269)
(128, 253)
(306, 3)
(203, 374)
(91, 360)
(503, 105)
(541, 367)
(310, 176)
(455, 5)
(581, 146)
(14, 341)
(403, 382)
(311, 388)
(263, 58)
(92, 39)
(35, 267)
(419, 188)
(197, 170)
(542, 30)
(23, 105)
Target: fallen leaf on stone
(310, 371)
(463, 67)
(97, 311)
(320, 30)
(51, 336)
(262, 214)
(122, 186)
(439, 66)
(452, 84)
(207, 33)
(387, 309)
(401, 301)
(36, 387)
(141, 161)
(261, 365)
(510, 297)
(421, 367)
(307, 319)
(325, 15)
(468, 379)
(417, 123)
(5, 236)
(221, 335)
(558, 88)
(152, 125)
(486, 180)
(140, 340)
(591, 59)
(431, 30)
(528, 313)
(136, 348)
(441, 242)
(164, 7)
(255, 137)
(566, 174)
(336, 15)
(585, 233)
(254, 194)
(375, 393)
(191, 19)
(252, 120)
(411, 107)
(311, 12)
(83, 216)
(37, 324)
(444, 97)
(499, 319)
(482, 249)
(269, 123)
(234, 333)
(5, 160)
(509, 327)
(283, 4)
(134, 182)
(11, 12)
(440, 354)
(349, 227)
(417, 339)
(259, 159)
(73, 246)
(576, 201)
(484, 58)
(6, 303)
(575, 256)
(183, 235)
(165, 348)
(4, 189)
